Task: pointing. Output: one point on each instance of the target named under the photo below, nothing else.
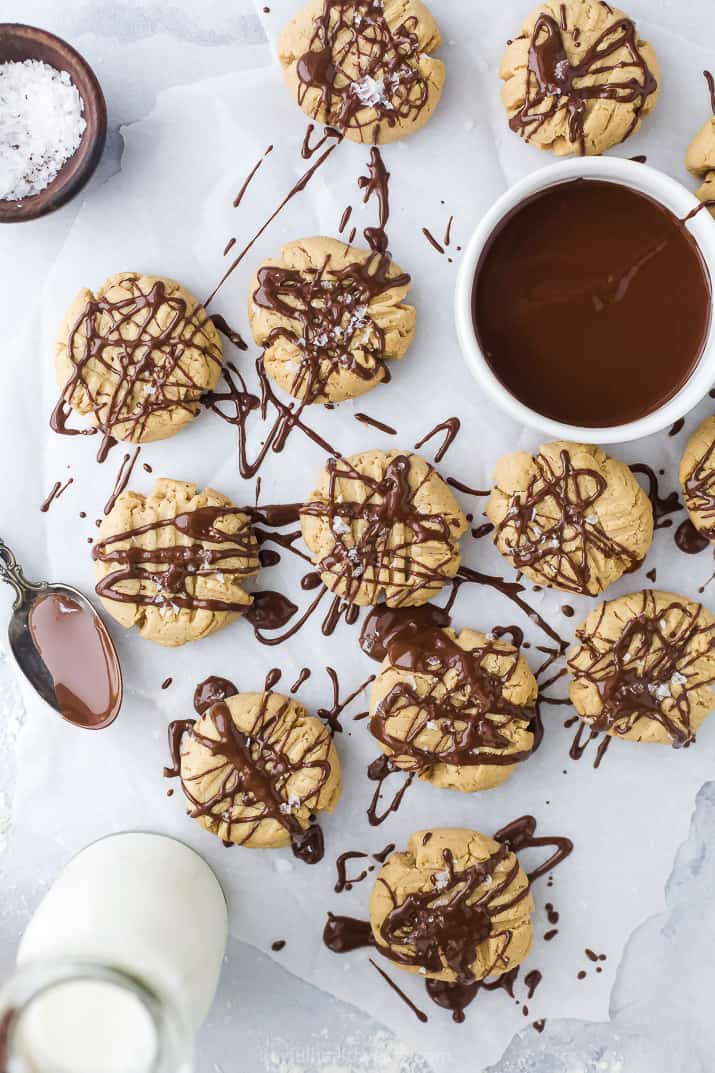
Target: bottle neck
(85, 1017)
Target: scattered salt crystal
(592, 519)
(678, 679)
(660, 690)
(340, 526)
(371, 91)
(441, 879)
(41, 126)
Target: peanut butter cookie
(578, 78)
(329, 317)
(643, 668)
(455, 906)
(457, 709)
(571, 517)
(136, 356)
(364, 66)
(383, 524)
(697, 476)
(700, 158)
(174, 563)
(255, 767)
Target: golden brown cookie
(136, 356)
(174, 563)
(571, 517)
(578, 78)
(700, 158)
(383, 524)
(255, 767)
(643, 667)
(456, 907)
(329, 317)
(697, 476)
(363, 67)
(457, 709)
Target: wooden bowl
(19, 42)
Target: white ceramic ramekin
(639, 177)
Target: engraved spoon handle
(11, 572)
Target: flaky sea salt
(41, 126)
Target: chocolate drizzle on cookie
(464, 719)
(167, 576)
(251, 781)
(711, 89)
(699, 489)
(553, 83)
(366, 73)
(649, 670)
(332, 308)
(554, 528)
(132, 360)
(378, 538)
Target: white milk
(143, 905)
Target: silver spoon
(63, 648)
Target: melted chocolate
(365, 419)
(247, 182)
(521, 834)
(699, 488)
(627, 281)
(662, 505)
(231, 334)
(554, 83)
(450, 427)
(344, 934)
(377, 184)
(77, 651)
(689, 539)
(343, 881)
(711, 89)
(150, 367)
(166, 574)
(419, 1014)
(385, 625)
(332, 715)
(57, 489)
(354, 55)
(336, 330)
(123, 476)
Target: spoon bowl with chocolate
(584, 301)
(63, 648)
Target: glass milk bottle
(119, 965)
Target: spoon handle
(11, 572)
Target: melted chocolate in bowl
(592, 303)
(75, 647)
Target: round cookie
(255, 767)
(363, 67)
(697, 476)
(570, 518)
(578, 78)
(174, 563)
(328, 317)
(383, 524)
(700, 160)
(136, 356)
(643, 667)
(456, 907)
(458, 709)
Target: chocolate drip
(711, 89)
(344, 934)
(690, 540)
(450, 427)
(379, 771)
(553, 526)
(331, 715)
(366, 73)
(57, 489)
(379, 553)
(699, 488)
(432, 240)
(277, 945)
(676, 427)
(457, 996)
(343, 882)
(634, 674)
(521, 834)
(454, 483)
(123, 477)
(231, 334)
(243, 403)
(419, 1014)
(512, 590)
(377, 184)
(386, 625)
(269, 611)
(166, 576)
(465, 704)
(247, 182)
(304, 675)
(532, 981)
(336, 331)
(211, 691)
(252, 770)
(148, 369)
(551, 76)
(365, 419)
(662, 505)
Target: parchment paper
(169, 211)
